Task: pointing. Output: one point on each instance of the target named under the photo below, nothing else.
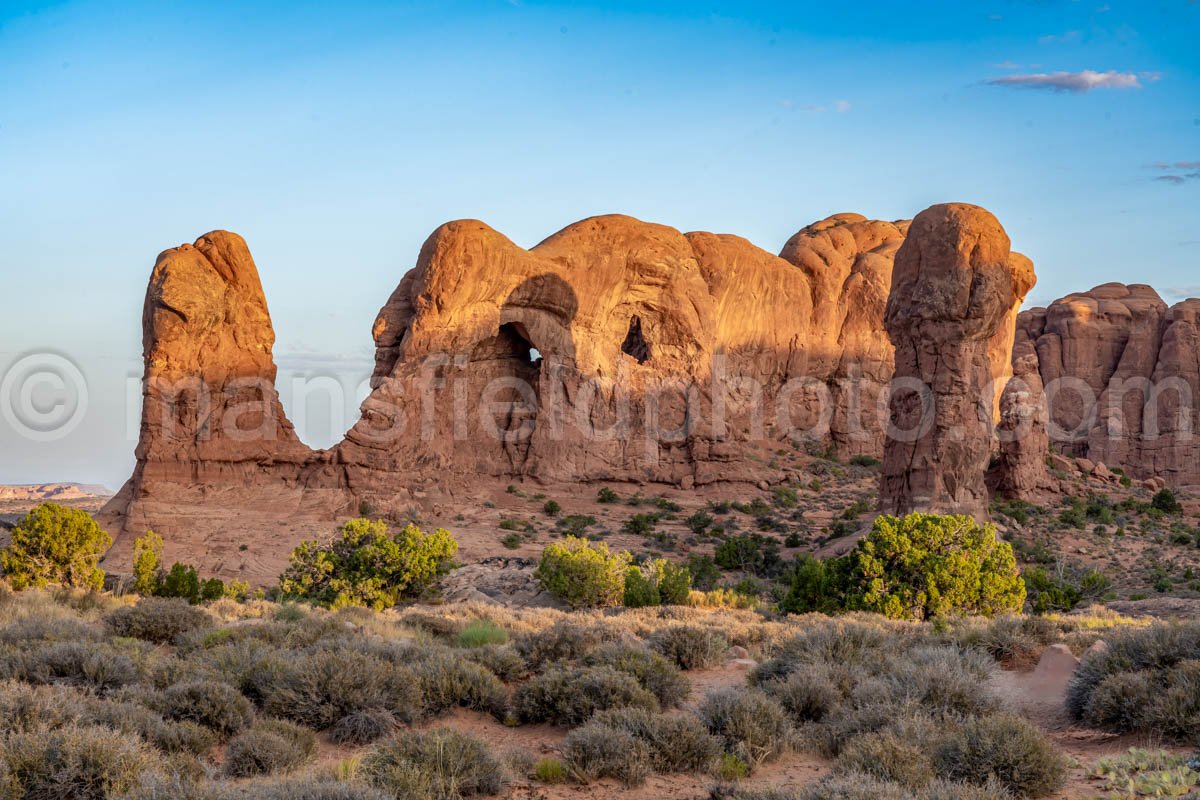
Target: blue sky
(336, 139)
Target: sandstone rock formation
(1121, 377)
(211, 422)
(955, 284)
(1021, 470)
(613, 350)
(848, 260)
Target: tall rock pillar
(955, 288)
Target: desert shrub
(97, 665)
(582, 575)
(217, 706)
(24, 707)
(440, 764)
(658, 582)
(364, 566)
(1064, 589)
(1165, 501)
(566, 640)
(306, 788)
(551, 508)
(132, 718)
(55, 544)
(889, 757)
(691, 646)
(607, 495)
(598, 751)
(751, 725)
(653, 671)
(269, 748)
(157, 620)
(74, 763)
(674, 583)
(1122, 701)
(446, 681)
(640, 589)
(249, 665)
(704, 572)
(848, 642)
(181, 581)
(811, 587)
(212, 589)
(34, 628)
(698, 522)
(927, 565)
(502, 659)
(575, 524)
(863, 460)
(855, 786)
(363, 727)
(1006, 749)
(1112, 687)
(807, 695)
(569, 696)
(677, 742)
(750, 552)
(1176, 710)
(640, 524)
(147, 563)
(1007, 638)
(482, 632)
(319, 688)
(863, 786)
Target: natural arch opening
(514, 400)
(635, 343)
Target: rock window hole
(635, 343)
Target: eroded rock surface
(1121, 372)
(955, 284)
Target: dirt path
(1039, 695)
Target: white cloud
(1072, 82)
(1069, 36)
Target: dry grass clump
(1005, 749)
(442, 764)
(503, 660)
(751, 725)
(72, 763)
(596, 751)
(170, 736)
(448, 680)
(570, 695)
(96, 665)
(217, 706)
(652, 670)
(566, 640)
(269, 748)
(691, 646)
(1145, 679)
(678, 743)
(157, 619)
(319, 688)
(363, 727)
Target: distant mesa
(50, 492)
